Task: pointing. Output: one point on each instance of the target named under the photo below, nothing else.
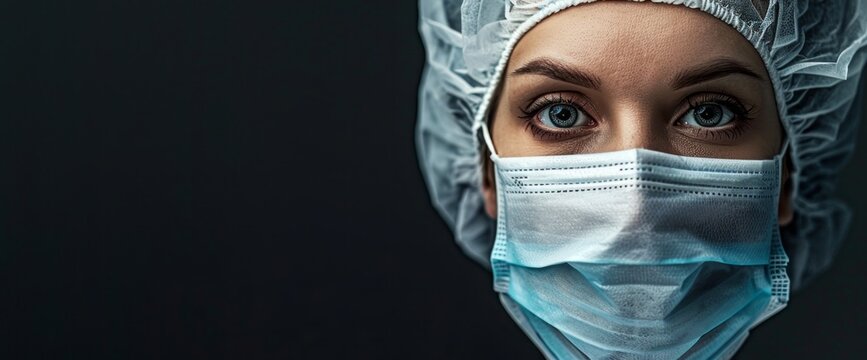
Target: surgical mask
(638, 253)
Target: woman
(645, 180)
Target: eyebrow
(559, 71)
(711, 70)
(705, 72)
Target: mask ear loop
(781, 159)
(486, 135)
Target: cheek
(511, 138)
(766, 133)
(509, 133)
(772, 137)
(776, 126)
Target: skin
(639, 58)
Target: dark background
(228, 180)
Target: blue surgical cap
(813, 52)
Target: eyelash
(532, 111)
(743, 116)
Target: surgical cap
(813, 52)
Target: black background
(239, 180)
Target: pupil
(562, 116)
(708, 115)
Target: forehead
(634, 39)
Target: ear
(489, 187)
(785, 212)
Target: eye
(562, 116)
(708, 115)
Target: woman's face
(610, 76)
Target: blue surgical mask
(638, 253)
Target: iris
(563, 116)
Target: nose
(630, 129)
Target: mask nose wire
(486, 134)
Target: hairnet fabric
(813, 52)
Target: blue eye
(708, 115)
(562, 116)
